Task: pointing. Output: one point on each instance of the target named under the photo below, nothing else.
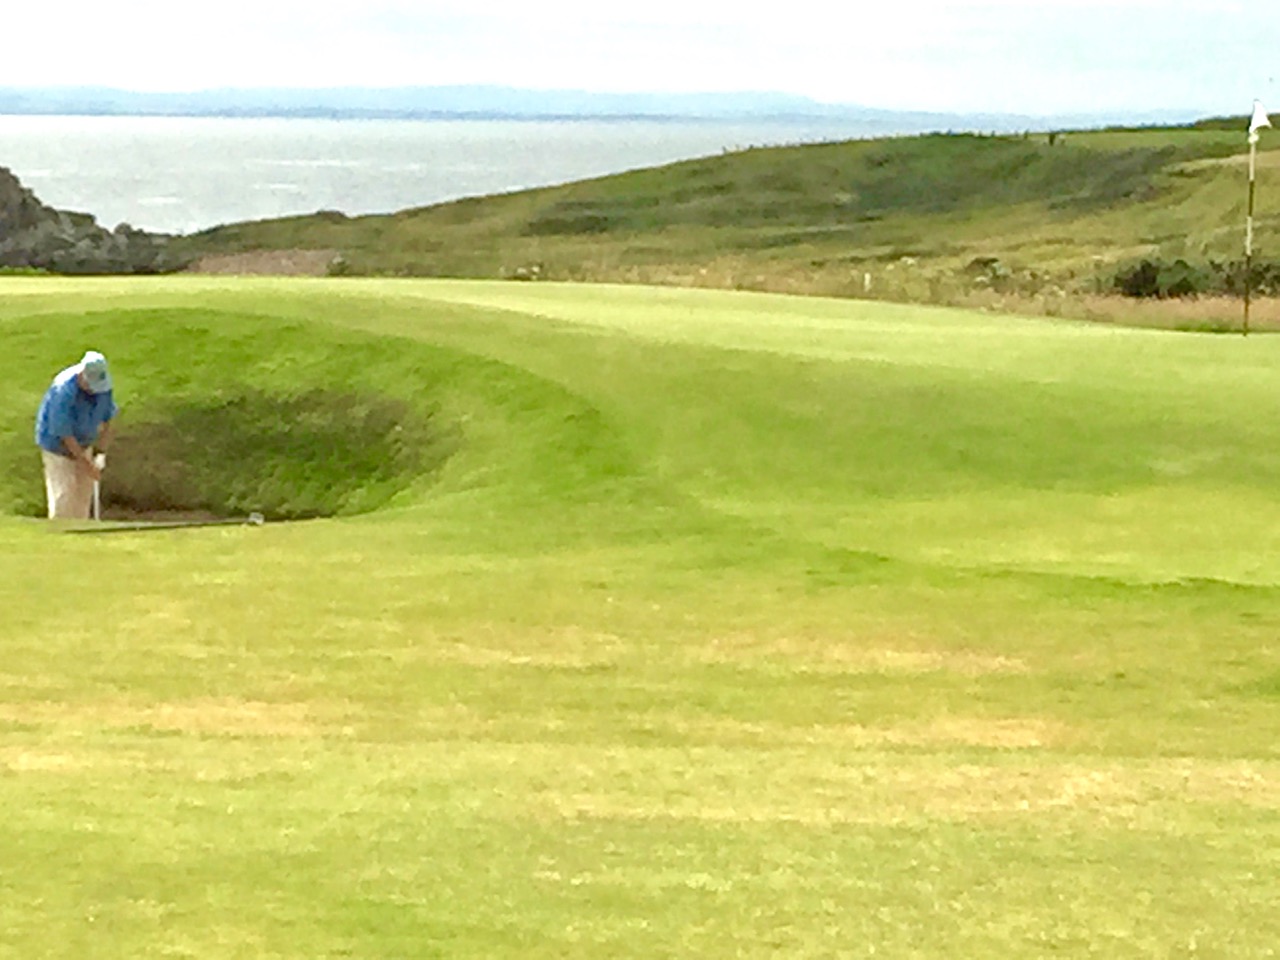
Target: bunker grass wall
(224, 414)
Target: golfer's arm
(104, 438)
(74, 448)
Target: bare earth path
(279, 263)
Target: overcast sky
(1041, 58)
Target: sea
(181, 175)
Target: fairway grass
(714, 625)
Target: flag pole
(1248, 229)
(1259, 120)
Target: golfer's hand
(91, 468)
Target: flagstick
(1248, 231)
(1259, 120)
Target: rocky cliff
(36, 236)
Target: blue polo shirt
(67, 411)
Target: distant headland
(38, 237)
(479, 102)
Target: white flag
(1260, 120)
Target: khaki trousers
(68, 488)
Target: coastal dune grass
(1046, 223)
(668, 623)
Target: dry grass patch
(278, 263)
(831, 655)
(569, 647)
(1117, 792)
(994, 734)
(202, 717)
(1190, 313)
(977, 732)
(27, 760)
(1266, 160)
(872, 786)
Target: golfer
(74, 424)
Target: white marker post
(1259, 120)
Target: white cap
(94, 369)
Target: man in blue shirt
(74, 417)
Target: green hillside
(944, 218)
(634, 622)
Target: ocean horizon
(181, 175)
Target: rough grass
(731, 626)
(901, 219)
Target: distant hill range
(510, 103)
